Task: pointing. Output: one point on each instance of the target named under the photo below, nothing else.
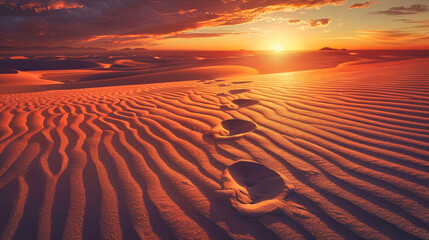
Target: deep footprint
(232, 128)
(255, 190)
(255, 182)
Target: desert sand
(13, 78)
(219, 152)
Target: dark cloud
(84, 22)
(362, 5)
(401, 10)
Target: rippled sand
(339, 153)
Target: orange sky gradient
(216, 24)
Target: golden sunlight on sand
(337, 153)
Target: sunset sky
(216, 24)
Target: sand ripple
(139, 162)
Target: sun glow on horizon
(278, 47)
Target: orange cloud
(63, 5)
(362, 5)
(315, 23)
(311, 23)
(39, 7)
(294, 21)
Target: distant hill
(61, 49)
(130, 49)
(328, 48)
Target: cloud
(401, 10)
(362, 5)
(294, 21)
(393, 37)
(306, 24)
(39, 7)
(402, 20)
(314, 23)
(72, 22)
(204, 35)
(416, 24)
(319, 22)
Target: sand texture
(337, 153)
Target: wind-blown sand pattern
(350, 144)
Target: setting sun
(278, 47)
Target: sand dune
(261, 62)
(8, 70)
(338, 153)
(25, 64)
(13, 78)
(202, 73)
(128, 63)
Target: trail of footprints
(156, 163)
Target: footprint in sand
(254, 183)
(254, 190)
(232, 128)
(238, 91)
(238, 103)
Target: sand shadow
(241, 82)
(232, 128)
(238, 103)
(8, 70)
(238, 91)
(209, 82)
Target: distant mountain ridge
(328, 48)
(62, 49)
